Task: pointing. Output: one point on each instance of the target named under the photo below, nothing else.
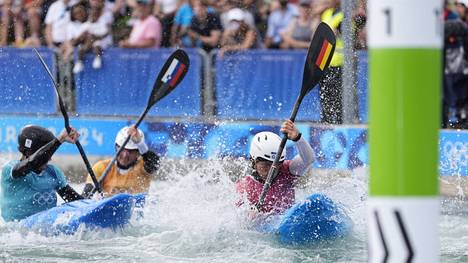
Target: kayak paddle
(318, 59)
(171, 74)
(67, 122)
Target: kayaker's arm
(36, 160)
(304, 159)
(150, 158)
(98, 169)
(69, 194)
(151, 161)
(151, 164)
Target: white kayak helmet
(265, 145)
(123, 134)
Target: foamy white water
(191, 217)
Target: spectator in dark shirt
(205, 29)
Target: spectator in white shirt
(96, 36)
(57, 18)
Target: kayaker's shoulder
(101, 165)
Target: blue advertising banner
(263, 84)
(340, 147)
(453, 152)
(96, 136)
(335, 147)
(24, 82)
(123, 85)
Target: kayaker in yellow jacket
(132, 172)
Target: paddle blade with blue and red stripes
(171, 74)
(319, 56)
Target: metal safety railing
(254, 84)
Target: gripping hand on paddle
(290, 130)
(70, 137)
(135, 135)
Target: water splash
(191, 216)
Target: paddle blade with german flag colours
(171, 74)
(318, 58)
(324, 54)
(319, 55)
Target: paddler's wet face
(127, 157)
(262, 167)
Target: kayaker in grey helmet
(28, 185)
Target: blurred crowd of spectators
(91, 26)
(455, 94)
(228, 25)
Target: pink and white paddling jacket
(281, 195)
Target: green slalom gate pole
(405, 70)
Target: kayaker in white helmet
(263, 150)
(29, 185)
(132, 172)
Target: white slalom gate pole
(405, 70)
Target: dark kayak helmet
(33, 137)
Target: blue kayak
(112, 212)
(314, 219)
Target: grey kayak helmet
(32, 138)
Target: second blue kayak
(111, 212)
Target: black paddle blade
(319, 55)
(171, 74)
(57, 91)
